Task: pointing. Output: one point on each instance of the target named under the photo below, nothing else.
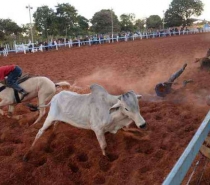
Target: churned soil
(145, 156)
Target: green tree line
(64, 21)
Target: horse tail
(64, 85)
(35, 107)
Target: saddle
(20, 80)
(24, 77)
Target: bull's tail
(35, 107)
(64, 85)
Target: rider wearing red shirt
(10, 74)
(5, 70)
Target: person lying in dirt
(164, 88)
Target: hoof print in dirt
(112, 157)
(99, 179)
(25, 158)
(104, 164)
(73, 168)
(82, 157)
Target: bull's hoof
(25, 158)
(103, 152)
(143, 126)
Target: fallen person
(162, 89)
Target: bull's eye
(126, 109)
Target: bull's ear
(138, 96)
(115, 107)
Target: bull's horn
(116, 105)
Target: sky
(16, 9)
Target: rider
(10, 74)
(162, 89)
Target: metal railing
(145, 35)
(182, 166)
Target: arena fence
(182, 166)
(31, 47)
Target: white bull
(98, 111)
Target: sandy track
(144, 157)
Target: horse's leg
(48, 122)
(41, 114)
(11, 111)
(42, 101)
(3, 103)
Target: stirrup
(24, 95)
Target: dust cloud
(118, 82)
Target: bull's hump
(97, 89)
(67, 93)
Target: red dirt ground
(146, 157)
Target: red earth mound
(73, 156)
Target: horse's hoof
(2, 113)
(25, 158)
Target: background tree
(45, 21)
(1, 35)
(8, 28)
(180, 12)
(67, 19)
(171, 19)
(154, 21)
(26, 31)
(126, 22)
(139, 24)
(102, 22)
(83, 25)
